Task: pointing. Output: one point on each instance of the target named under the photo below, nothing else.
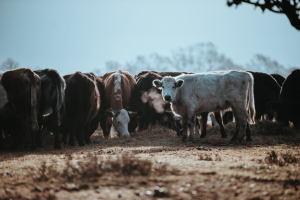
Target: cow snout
(168, 98)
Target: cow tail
(251, 104)
(60, 92)
(33, 100)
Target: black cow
(266, 89)
(288, 105)
(82, 102)
(51, 106)
(280, 79)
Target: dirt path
(156, 164)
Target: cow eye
(173, 87)
(162, 87)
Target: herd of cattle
(74, 105)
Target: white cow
(192, 94)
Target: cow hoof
(183, 139)
(126, 136)
(191, 140)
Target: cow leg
(204, 122)
(258, 116)
(241, 116)
(197, 126)
(80, 133)
(87, 134)
(237, 127)
(72, 129)
(39, 133)
(108, 125)
(185, 129)
(219, 120)
(248, 133)
(192, 128)
(104, 127)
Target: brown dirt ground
(156, 164)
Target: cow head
(154, 98)
(169, 87)
(286, 111)
(121, 120)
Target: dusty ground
(156, 164)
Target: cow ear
(110, 113)
(132, 114)
(157, 83)
(179, 83)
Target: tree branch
(288, 7)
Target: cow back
(290, 90)
(119, 86)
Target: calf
(193, 94)
(23, 88)
(82, 103)
(119, 86)
(288, 104)
(153, 97)
(51, 106)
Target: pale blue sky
(83, 35)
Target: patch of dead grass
(280, 159)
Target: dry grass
(156, 164)
(280, 159)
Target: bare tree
(265, 64)
(9, 64)
(291, 8)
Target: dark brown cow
(100, 117)
(82, 103)
(119, 86)
(23, 89)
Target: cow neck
(117, 103)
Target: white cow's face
(169, 87)
(121, 120)
(154, 99)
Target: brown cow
(119, 86)
(23, 89)
(82, 103)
